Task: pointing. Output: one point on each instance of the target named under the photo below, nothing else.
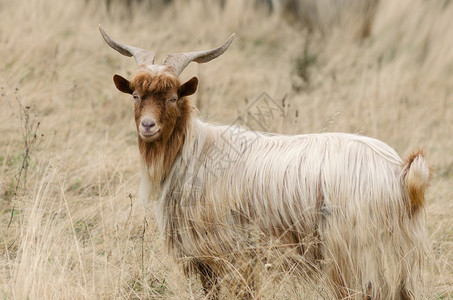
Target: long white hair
(339, 200)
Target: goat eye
(173, 99)
(136, 97)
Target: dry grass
(70, 224)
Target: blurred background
(69, 221)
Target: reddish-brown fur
(415, 187)
(154, 91)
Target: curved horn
(180, 60)
(141, 56)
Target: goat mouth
(149, 135)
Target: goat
(347, 205)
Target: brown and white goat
(340, 207)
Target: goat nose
(148, 123)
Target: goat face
(159, 101)
(159, 97)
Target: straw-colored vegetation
(69, 221)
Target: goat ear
(122, 84)
(188, 88)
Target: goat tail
(416, 177)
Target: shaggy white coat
(339, 198)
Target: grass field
(70, 225)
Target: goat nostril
(148, 123)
